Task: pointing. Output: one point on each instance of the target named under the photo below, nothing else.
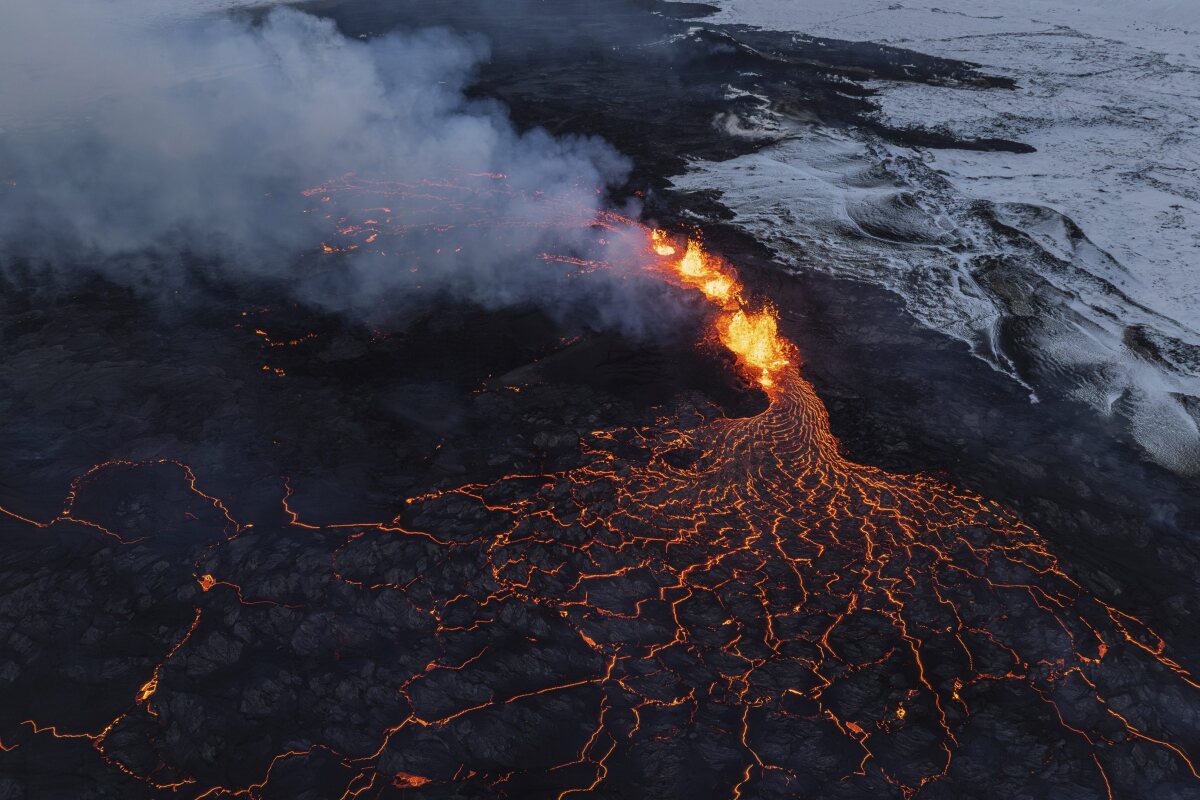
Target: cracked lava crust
(702, 606)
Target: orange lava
(751, 335)
(764, 524)
(754, 339)
(405, 780)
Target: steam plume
(130, 146)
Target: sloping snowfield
(1076, 269)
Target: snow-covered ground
(1109, 94)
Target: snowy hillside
(1107, 211)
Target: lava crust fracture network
(730, 596)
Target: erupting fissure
(826, 623)
(752, 336)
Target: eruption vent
(750, 335)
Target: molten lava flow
(701, 271)
(405, 780)
(731, 587)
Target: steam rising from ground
(137, 145)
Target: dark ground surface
(364, 418)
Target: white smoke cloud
(134, 143)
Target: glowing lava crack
(834, 629)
